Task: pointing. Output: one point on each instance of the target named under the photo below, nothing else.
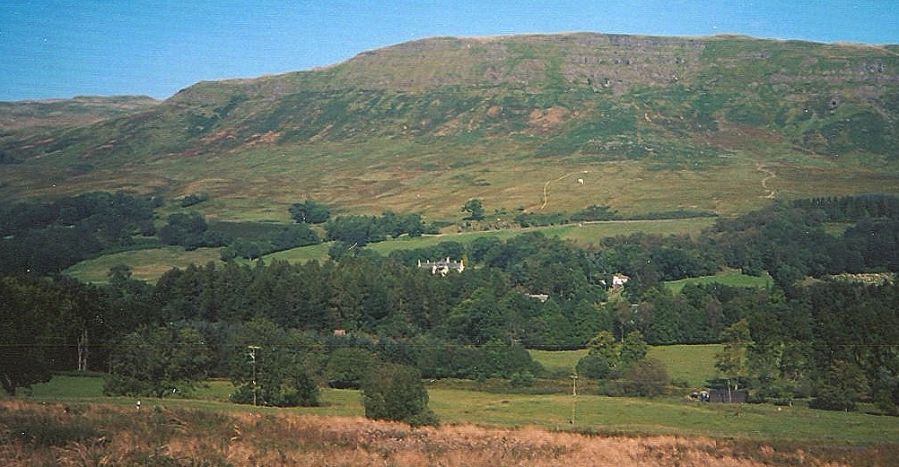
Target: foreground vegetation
(106, 435)
(597, 414)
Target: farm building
(443, 266)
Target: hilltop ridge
(424, 125)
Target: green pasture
(691, 363)
(730, 278)
(618, 415)
(146, 265)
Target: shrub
(647, 378)
(347, 367)
(395, 392)
(193, 198)
(594, 365)
(522, 379)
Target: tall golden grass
(102, 435)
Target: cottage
(618, 280)
(443, 266)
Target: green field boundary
(729, 278)
(599, 414)
(150, 264)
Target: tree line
(790, 340)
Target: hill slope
(648, 123)
(82, 110)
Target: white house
(443, 266)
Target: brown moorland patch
(96, 434)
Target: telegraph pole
(253, 349)
(573, 397)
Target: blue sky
(87, 47)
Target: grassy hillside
(721, 124)
(77, 111)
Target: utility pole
(573, 397)
(253, 349)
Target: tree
(395, 392)
(842, 386)
(731, 361)
(22, 326)
(474, 208)
(309, 212)
(266, 368)
(295, 236)
(608, 358)
(633, 349)
(594, 365)
(157, 361)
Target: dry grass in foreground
(96, 435)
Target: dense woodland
(809, 335)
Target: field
(146, 265)
(691, 363)
(69, 421)
(730, 278)
(102, 434)
(618, 415)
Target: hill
(648, 124)
(78, 111)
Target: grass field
(691, 363)
(146, 265)
(730, 278)
(149, 265)
(620, 415)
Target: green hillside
(647, 124)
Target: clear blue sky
(90, 47)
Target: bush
(594, 365)
(646, 378)
(395, 392)
(347, 367)
(521, 379)
(194, 198)
(295, 389)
